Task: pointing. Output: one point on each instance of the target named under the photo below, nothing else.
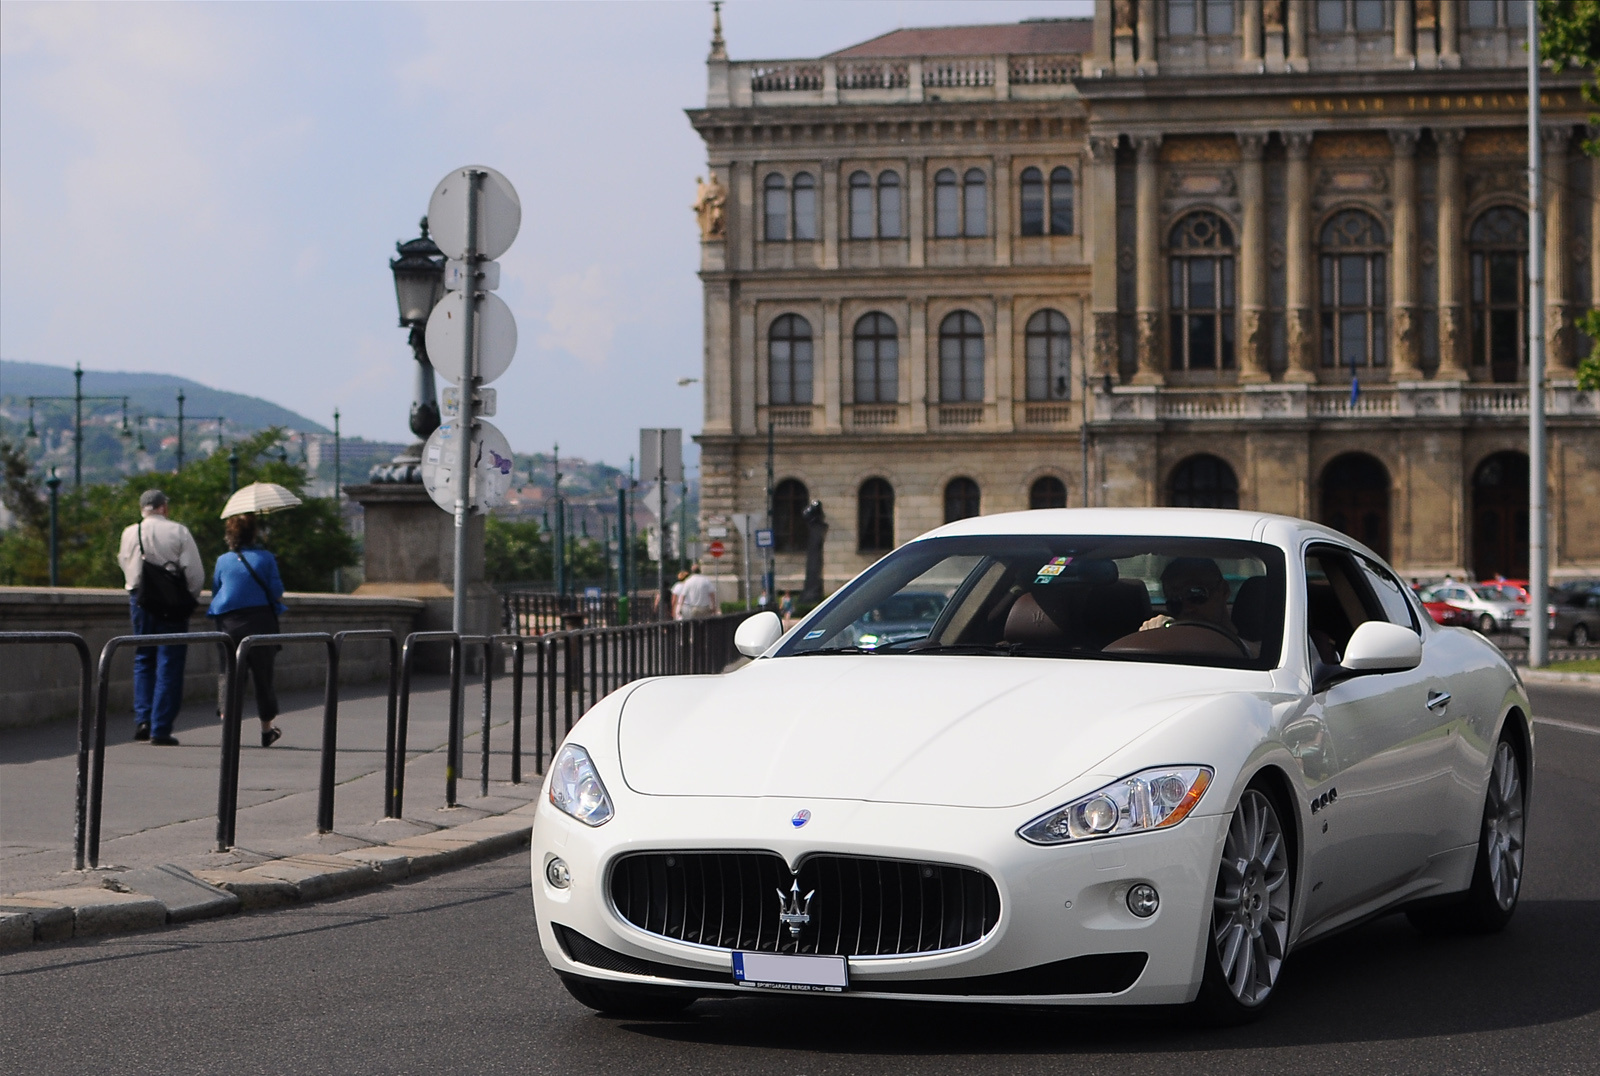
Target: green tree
(515, 551)
(1569, 36)
(309, 541)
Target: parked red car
(1449, 615)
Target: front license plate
(790, 971)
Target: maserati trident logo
(801, 817)
(794, 911)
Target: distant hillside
(152, 394)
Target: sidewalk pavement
(159, 822)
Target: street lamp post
(54, 483)
(558, 537)
(338, 494)
(181, 420)
(77, 399)
(418, 286)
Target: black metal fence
(531, 612)
(570, 671)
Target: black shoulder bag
(162, 591)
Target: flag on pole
(1355, 388)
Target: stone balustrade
(814, 82)
(1412, 399)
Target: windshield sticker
(1043, 579)
(814, 634)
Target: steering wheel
(1228, 635)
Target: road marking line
(1570, 726)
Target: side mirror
(757, 633)
(1378, 646)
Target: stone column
(1002, 207)
(916, 213)
(745, 220)
(1103, 58)
(747, 348)
(829, 222)
(1404, 332)
(828, 374)
(1404, 31)
(1004, 364)
(719, 373)
(1272, 33)
(1254, 356)
(1452, 316)
(1147, 37)
(1426, 33)
(1298, 256)
(1102, 236)
(1147, 251)
(1250, 29)
(919, 360)
(1123, 35)
(1450, 34)
(1559, 350)
(1297, 36)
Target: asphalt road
(444, 976)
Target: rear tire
(626, 1000)
(1489, 902)
(1580, 635)
(1486, 624)
(1249, 923)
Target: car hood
(968, 731)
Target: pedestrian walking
(699, 597)
(677, 596)
(162, 573)
(246, 589)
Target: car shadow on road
(1382, 981)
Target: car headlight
(576, 788)
(1149, 799)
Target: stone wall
(40, 683)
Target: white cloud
(583, 315)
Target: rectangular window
(1330, 16)
(1327, 338)
(1517, 15)
(1369, 14)
(888, 210)
(1202, 341)
(1380, 339)
(1219, 17)
(861, 212)
(977, 208)
(1181, 17)
(946, 210)
(1481, 14)
(805, 212)
(1032, 205)
(1180, 357)
(777, 205)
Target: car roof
(1285, 531)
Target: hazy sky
(213, 190)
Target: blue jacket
(232, 588)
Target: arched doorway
(1355, 499)
(1203, 481)
(1500, 516)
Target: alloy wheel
(1503, 827)
(1580, 635)
(1250, 910)
(1486, 624)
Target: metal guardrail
(85, 692)
(530, 612)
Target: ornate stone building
(1259, 253)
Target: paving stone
(253, 890)
(186, 897)
(52, 920)
(102, 911)
(16, 930)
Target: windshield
(1494, 594)
(1196, 601)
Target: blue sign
(763, 539)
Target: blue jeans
(157, 672)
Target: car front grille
(859, 907)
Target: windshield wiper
(835, 650)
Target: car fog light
(1142, 900)
(557, 874)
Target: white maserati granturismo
(1129, 756)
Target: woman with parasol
(246, 591)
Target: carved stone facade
(928, 211)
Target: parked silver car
(1494, 606)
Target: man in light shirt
(699, 597)
(157, 670)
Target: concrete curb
(166, 894)
(1545, 676)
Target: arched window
(1048, 343)
(776, 204)
(860, 205)
(1500, 516)
(889, 205)
(960, 499)
(1355, 499)
(1354, 323)
(875, 516)
(877, 360)
(789, 361)
(805, 206)
(1032, 201)
(1498, 243)
(975, 203)
(1061, 201)
(946, 203)
(1203, 482)
(789, 500)
(1201, 250)
(961, 358)
(1047, 492)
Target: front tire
(628, 1001)
(1490, 900)
(1580, 635)
(1249, 915)
(1486, 624)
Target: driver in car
(1196, 593)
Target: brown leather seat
(1029, 624)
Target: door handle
(1438, 700)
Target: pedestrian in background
(677, 596)
(699, 596)
(162, 573)
(246, 589)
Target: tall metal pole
(622, 551)
(55, 545)
(769, 580)
(77, 430)
(663, 592)
(338, 492)
(683, 527)
(464, 418)
(180, 429)
(558, 537)
(1538, 572)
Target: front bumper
(1058, 904)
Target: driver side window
(1337, 601)
(1391, 596)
